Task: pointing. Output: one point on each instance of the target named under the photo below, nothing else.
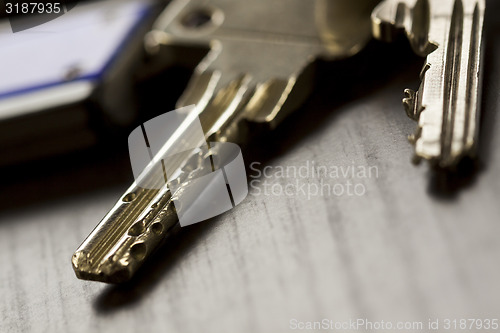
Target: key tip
(109, 272)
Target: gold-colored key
(447, 105)
(257, 72)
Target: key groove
(452, 77)
(472, 73)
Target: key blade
(447, 105)
(142, 219)
(135, 226)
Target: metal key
(257, 71)
(447, 105)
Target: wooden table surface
(416, 245)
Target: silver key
(447, 105)
(258, 70)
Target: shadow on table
(154, 270)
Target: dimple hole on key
(129, 197)
(138, 251)
(137, 229)
(157, 228)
